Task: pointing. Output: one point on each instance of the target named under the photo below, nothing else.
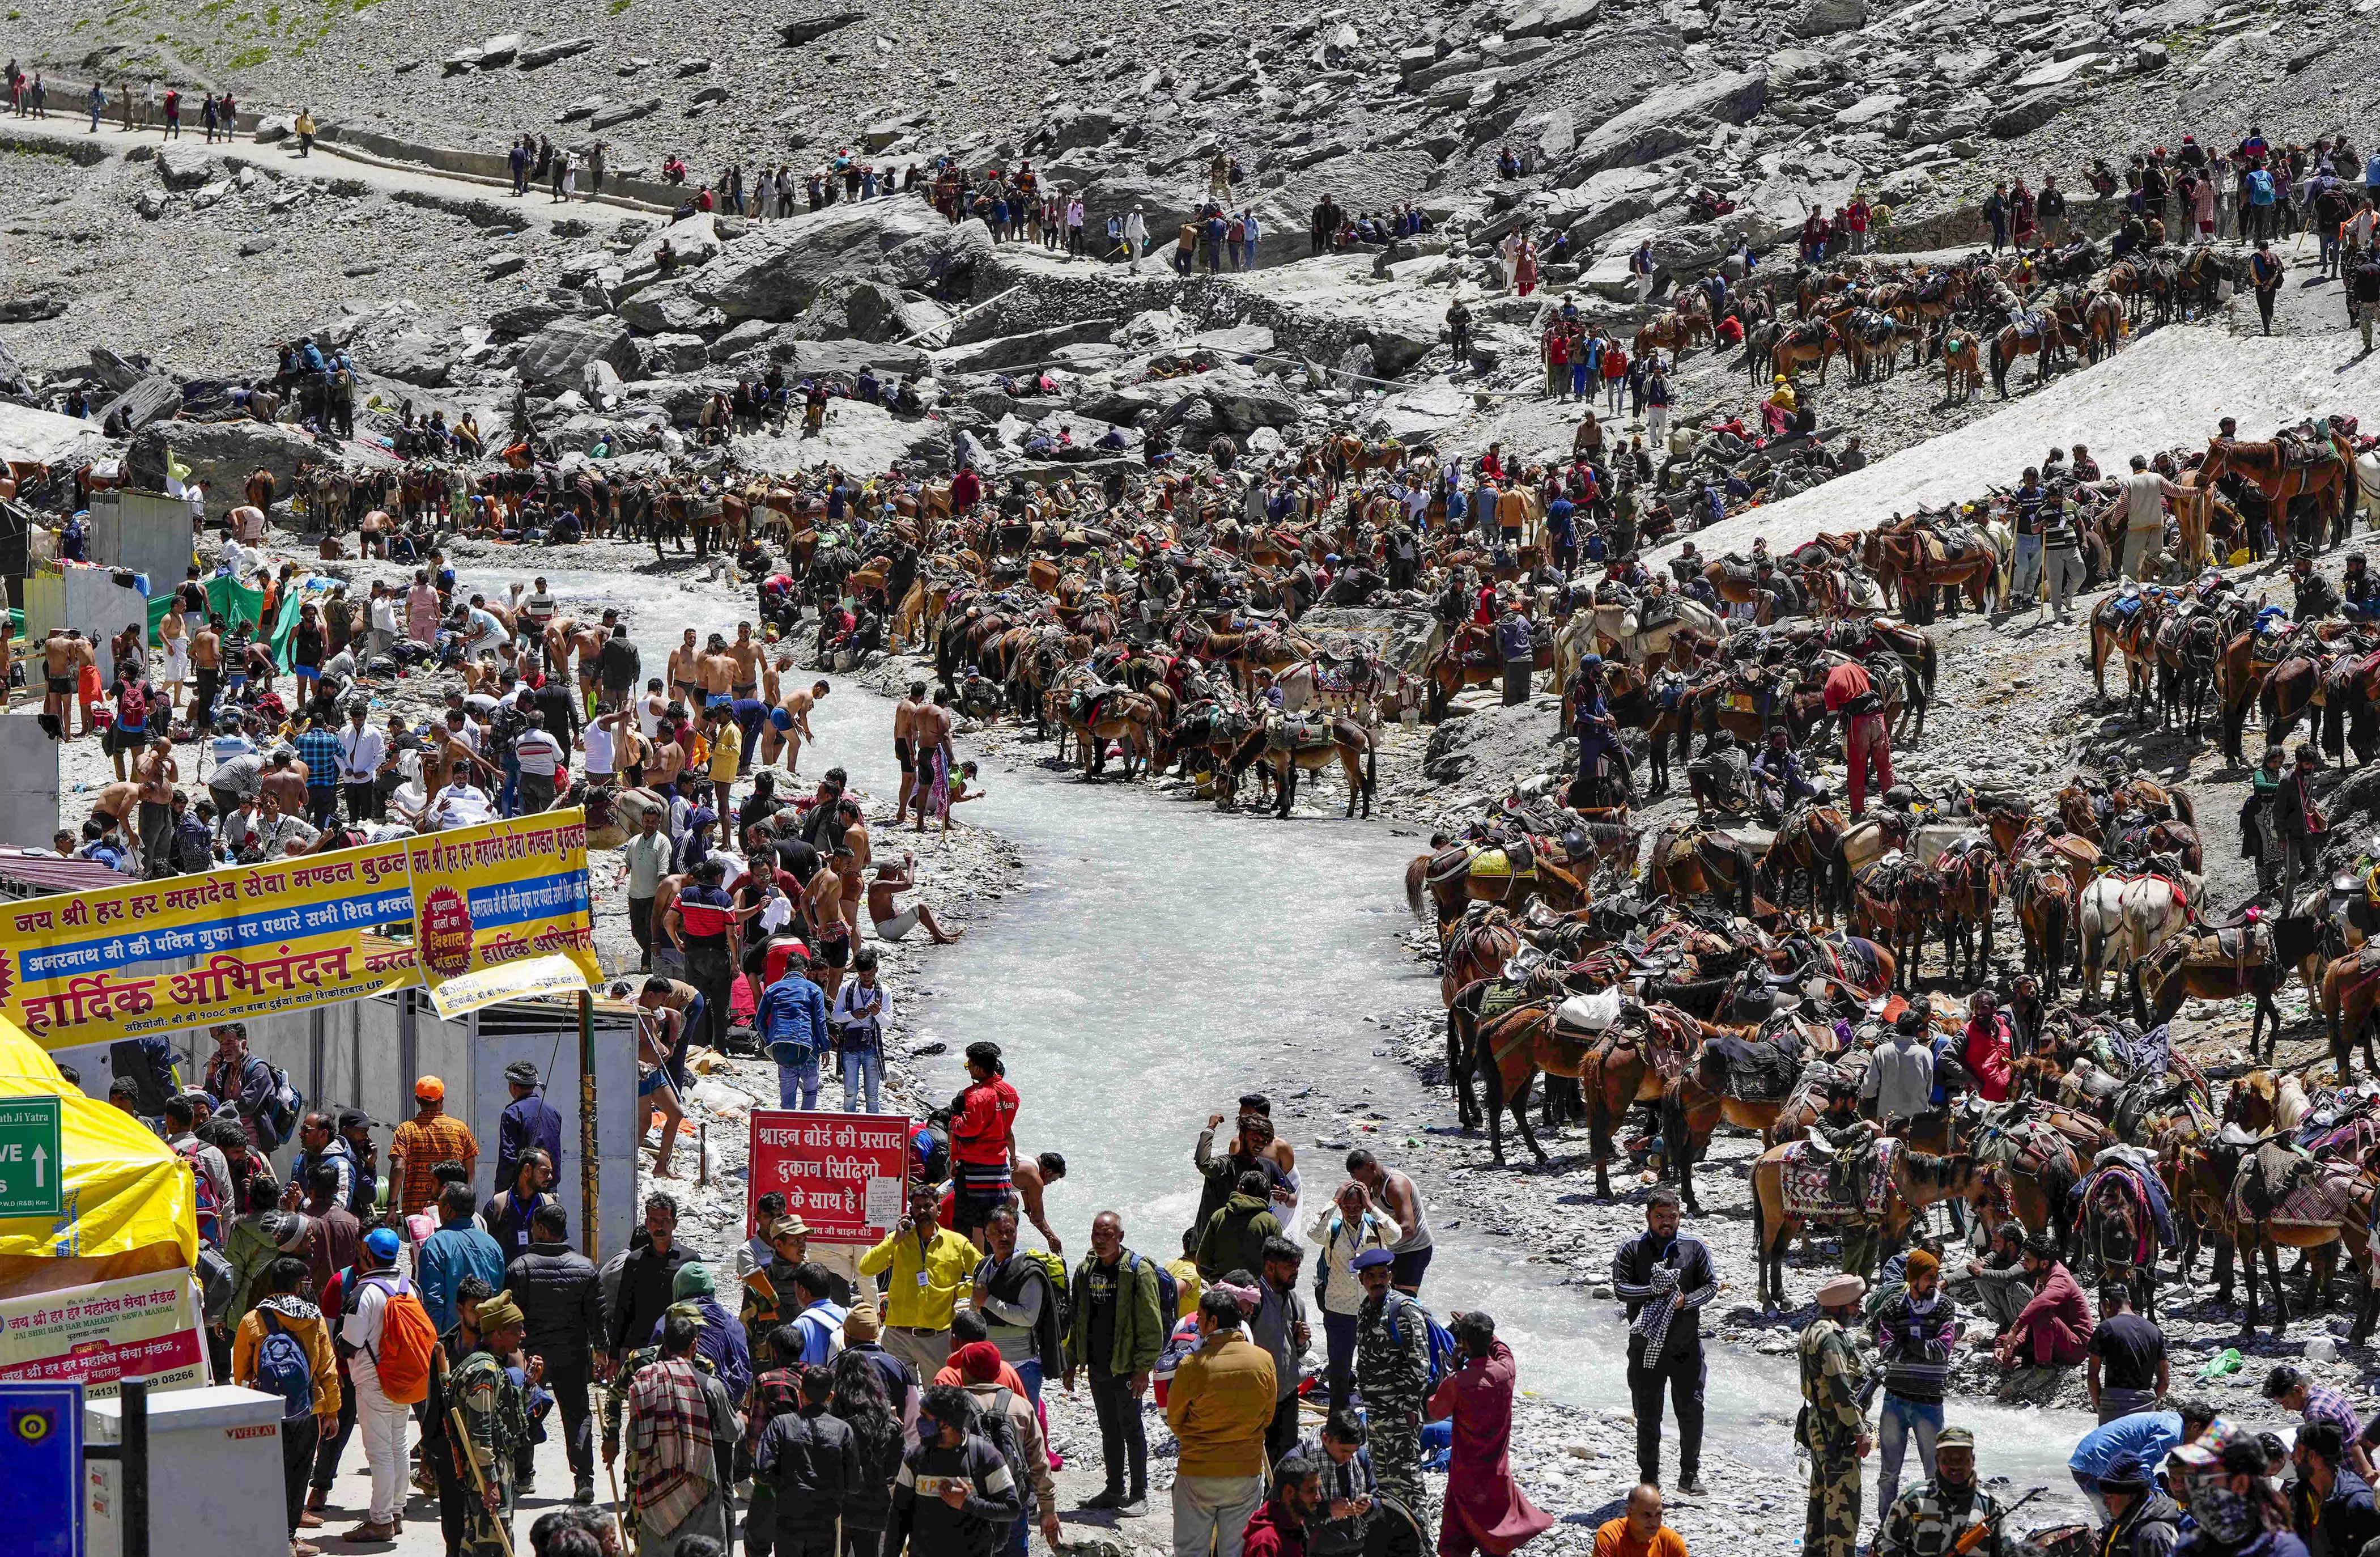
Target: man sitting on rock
(2052, 1333)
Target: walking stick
(462, 1437)
(619, 1526)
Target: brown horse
(1806, 844)
(2136, 636)
(1897, 906)
(1918, 1180)
(1350, 745)
(1963, 364)
(2351, 991)
(2327, 480)
(2333, 1207)
(2044, 895)
(1798, 345)
(1617, 1069)
(2232, 964)
(261, 488)
(1477, 948)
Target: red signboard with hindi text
(846, 1174)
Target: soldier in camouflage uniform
(496, 1416)
(1834, 1426)
(1392, 1372)
(1929, 1518)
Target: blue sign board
(41, 1468)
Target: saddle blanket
(2318, 1201)
(1807, 1181)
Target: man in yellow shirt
(932, 1272)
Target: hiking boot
(368, 1531)
(1109, 1498)
(585, 1493)
(1691, 1486)
(1137, 1509)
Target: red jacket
(2055, 1328)
(981, 1128)
(1269, 1533)
(966, 489)
(1986, 1057)
(1845, 683)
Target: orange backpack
(407, 1345)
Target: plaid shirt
(2325, 1404)
(425, 1143)
(319, 749)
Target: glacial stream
(1159, 961)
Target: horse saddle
(2299, 449)
(1302, 732)
(1753, 1070)
(1587, 1017)
(1658, 612)
(2239, 943)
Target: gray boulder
(802, 30)
(851, 307)
(415, 357)
(1668, 120)
(542, 55)
(777, 271)
(1823, 18)
(24, 310)
(667, 355)
(221, 454)
(145, 402)
(1543, 18)
(670, 308)
(500, 51)
(2030, 111)
(622, 113)
(12, 377)
(525, 319)
(184, 164)
(1496, 746)
(558, 355)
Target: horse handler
(1866, 739)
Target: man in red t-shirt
(1866, 739)
(983, 1142)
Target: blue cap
(1370, 1258)
(382, 1242)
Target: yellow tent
(131, 1205)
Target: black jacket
(810, 1458)
(646, 1278)
(2149, 1528)
(1632, 1274)
(617, 663)
(560, 1297)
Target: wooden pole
(589, 1170)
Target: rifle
(1975, 1534)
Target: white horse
(2123, 918)
(2367, 488)
(1619, 625)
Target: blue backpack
(282, 1368)
(1168, 1290)
(1445, 1356)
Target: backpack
(210, 1209)
(282, 1108)
(282, 1368)
(993, 1426)
(931, 1145)
(407, 1342)
(215, 1283)
(2260, 186)
(1444, 1354)
(1168, 1290)
(1059, 1283)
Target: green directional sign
(31, 1166)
